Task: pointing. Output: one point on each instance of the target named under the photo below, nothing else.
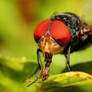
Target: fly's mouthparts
(48, 56)
(48, 60)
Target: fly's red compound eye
(41, 29)
(60, 32)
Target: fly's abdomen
(86, 32)
(82, 38)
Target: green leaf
(13, 72)
(66, 80)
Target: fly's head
(52, 36)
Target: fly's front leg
(40, 66)
(68, 58)
(39, 58)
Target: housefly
(62, 33)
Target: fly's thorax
(48, 45)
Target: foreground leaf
(66, 80)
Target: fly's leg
(40, 66)
(38, 58)
(68, 58)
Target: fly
(62, 33)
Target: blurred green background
(18, 20)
